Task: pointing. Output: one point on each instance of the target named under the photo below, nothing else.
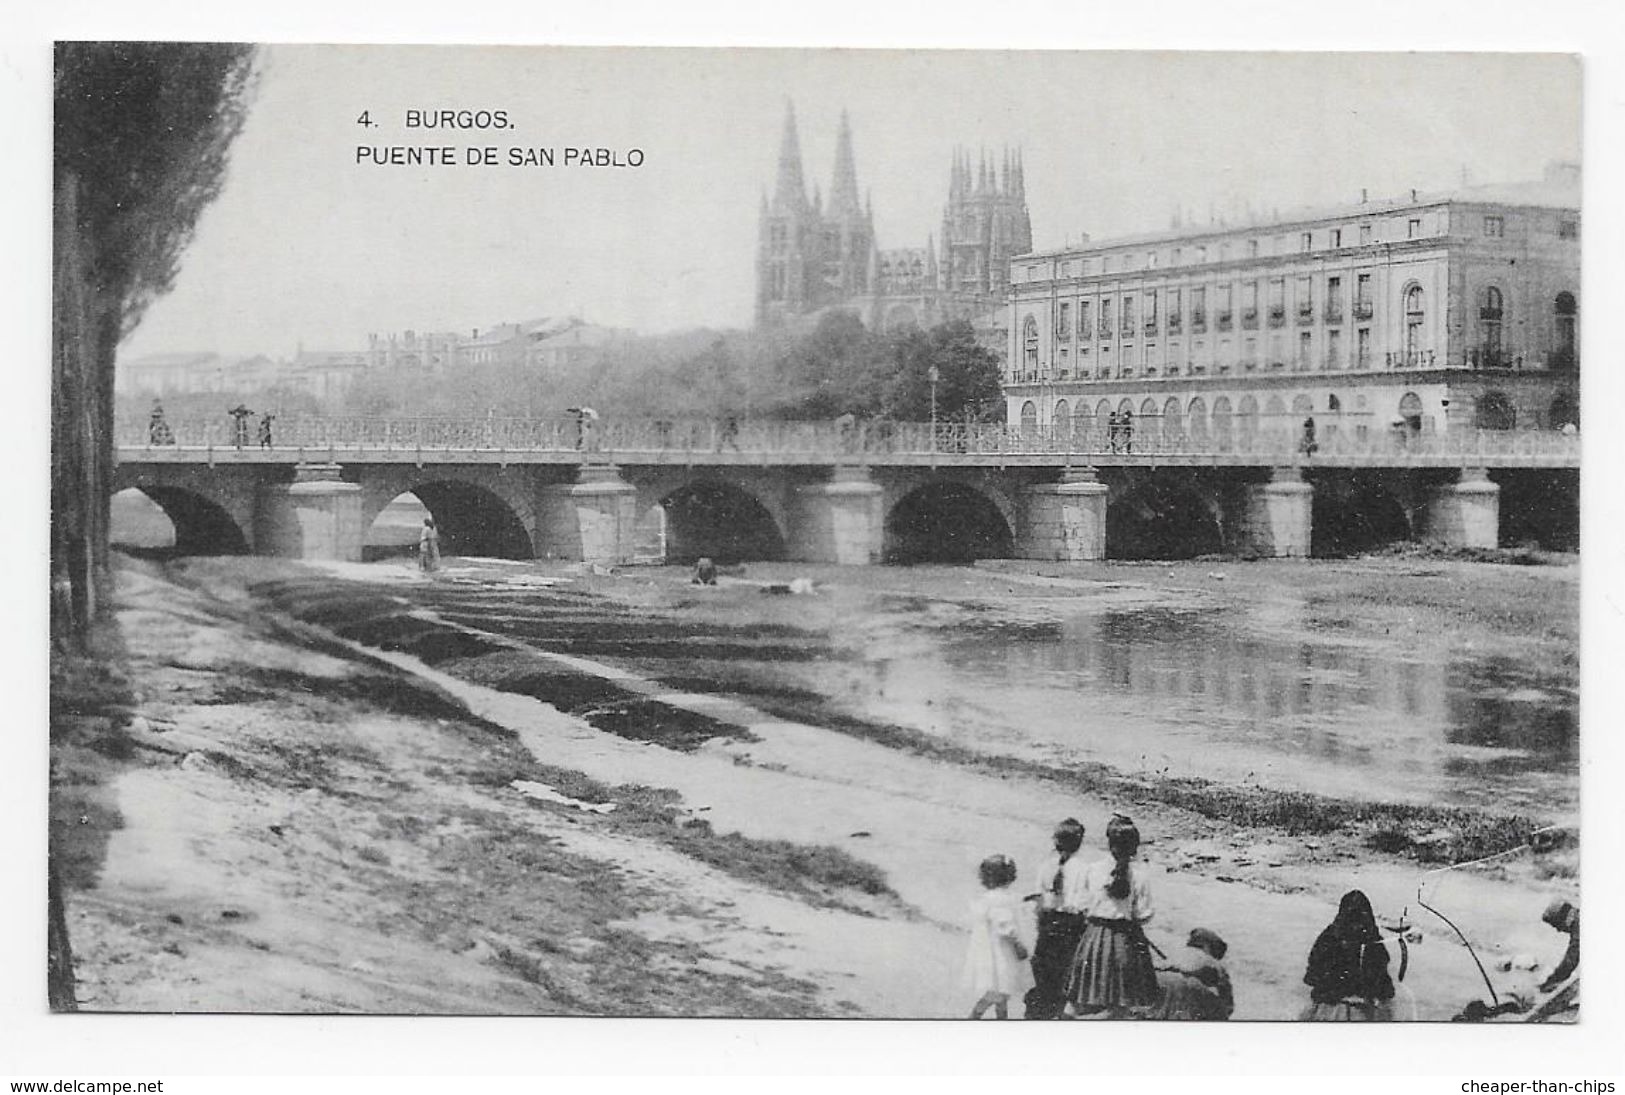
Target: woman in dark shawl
(1348, 967)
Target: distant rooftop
(1558, 189)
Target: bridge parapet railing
(874, 438)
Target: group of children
(1091, 957)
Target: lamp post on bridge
(935, 375)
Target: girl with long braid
(1112, 974)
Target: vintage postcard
(769, 533)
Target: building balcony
(1363, 309)
(1128, 330)
(1224, 321)
(1249, 318)
(1063, 336)
(1105, 330)
(1277, 317)
(1333, 316)
(1492, 314)
(1486, 358)
(1151, 326)
(1174, 324)
(1198, 324)
(1306, 316)
(1411, 359)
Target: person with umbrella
(239, 433)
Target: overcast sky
(306, 246)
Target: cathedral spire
(1020, 177)
(790, 192)
(843, 192)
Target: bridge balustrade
(1149, 436)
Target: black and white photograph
(1072, 535)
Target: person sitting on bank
(1564, 917)
(1348, 967)
(1194, 981)
(705, 573)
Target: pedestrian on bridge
(265, 429)
(730, 433)
(158, 431)
(239, 432)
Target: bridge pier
(317, 516)
(1279, 515)
(1466, 513)
(841, 521)
(1064, 521)
(593, 520)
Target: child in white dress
(995, 962)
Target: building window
(1175, 309)
(1177, 253)
(1307, 243)
(1362, 348)
(1303, 296)
(1277, 301)
(1305, 348)
(1063, 321)
(1252, 249)
(1362, 296)
(1337, 237)
(1365, 234)
(1568, 229)
(1128, 315)
(1223, 306)
(1151, 260)
(1334, 349)
(1334, 300)
(1249, 353)
(1565, 313)
(1201, 255)
(1413, 228)
(1413, 325)
(1489, 355)
(1198, 309)
(1494, 227)
(1105, 317)
(1029, 333)
(1150, 310)
(1029, 417)
(1084, 329)
(1249, 304)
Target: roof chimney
(1362, 195)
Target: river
(1394, 679)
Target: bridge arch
(201, 525)
(718, 519)
(946, 520)
(1357, 512)
(1164, 514)
(475, 516)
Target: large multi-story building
(1424, 312)
(813, 256)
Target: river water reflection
(1268, 690)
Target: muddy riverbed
(1282, 731)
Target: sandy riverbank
(280, 830)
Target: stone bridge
(841, 493)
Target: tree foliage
(835, 368)
(143, 130)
